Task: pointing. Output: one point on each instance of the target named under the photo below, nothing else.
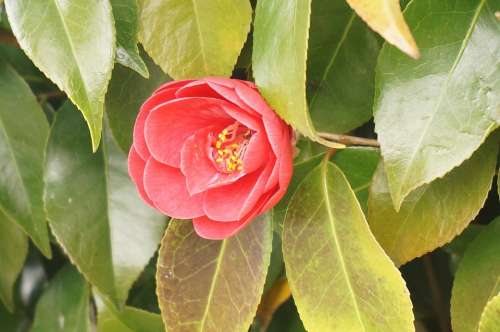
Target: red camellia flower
(210, 150)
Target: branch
(349, 140)
(438, 301)
(51, 95)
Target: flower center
(229, 148)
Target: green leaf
(498, 183)
(129, 319)
(13, 251)
(490, 318)
(94, 209)
(281, 31)
(358, 165)
(457, 247)
(126, 15)
(435, 213)
(13, 322)
(25, 68)
(300, 170)
(477, 279)
(64, 306)
(276, 268)
(194, 38)
(384, 16)
(432, 114)
(127, 91)
(73, 43)
(207, 285)
(332, 260)
(340, 67)
(23, 135)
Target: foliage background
(391, 222)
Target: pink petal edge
(167, 188)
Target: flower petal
(172, 85)
(214, 230)
(139, 140)
(225, 88)
(235, 200)
(166, 186)
(285, 163)
(136, 171)
(198, 88)
(253, 99)
(170, 124)
(257, 152)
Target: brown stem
(438, 302)
(349, 140)
(8, 38)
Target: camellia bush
(238, 165)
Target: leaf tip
(95, 136)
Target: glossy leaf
(385, 17)
(13, 251)
(300, 170)
(341, 60)
(127, 91)
(94, 209)
(126, 15)
(206, 285)
(281, 30)
(73, 43)
(128, 319)
(194, 38)
(432, 114)
(23, 134)
(332, 259)
(65, 304)
(435, 213)
(358, 165)
(477, 279)
(490, 318)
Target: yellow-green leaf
(385, 17)
(477, 279)
(435, 213)
(73, 43)
(206, 285)
(490, 318)
(195, 38)
(341, 279)
(281, 31)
